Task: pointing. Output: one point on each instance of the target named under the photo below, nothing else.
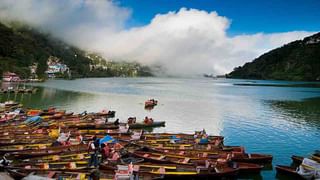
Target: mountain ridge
(298, 61)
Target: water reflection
(302, 112)
(43, 98)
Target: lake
(274, 117)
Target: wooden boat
(23, 154)
(164, 158)
(26, 141)
(17, 148)
(108, 114)
(287, 170)
(63, 157)
(297, 159)
(73, 174)
(93, 126)
(190, 149)
(247, 167)
(52, 166)
(103, 132)
(175, 171)
(253, 158)
(150, 136)
(143, 125)
(150, 103)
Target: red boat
(151, 103)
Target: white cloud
(186, 42)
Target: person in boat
(93, 149)
(105, 151)
(67, 142)
(116, 122)
(106, 121)
(149, 121)
(84, 113)
(80, 138)
(4, 161)
(131, 120)
(114, 155)
(94, 174)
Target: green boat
(143, 125)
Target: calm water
(277, 120)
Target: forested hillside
(22, 46)
(298, 60)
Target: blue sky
(247, 16)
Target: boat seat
(123, 176)
(161, 157)
(122, 168)
(186, 160)
(123, 172)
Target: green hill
(298, 61)
(21, 46)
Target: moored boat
(150, 103)
(147, 125)
(287, 170)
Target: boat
(177, 136)
(23, 154)
(63, 157)
(246, 168)
(144, 125)
(25, 141)
(176, 171)
(297, 159)
(253, 158)
(17, 148)
(150, 103)
(287, 170)
(107, 113)
(163, 158)
(52, 166)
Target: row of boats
(56, 144)
(18, 90)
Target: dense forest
(298, 61)
(21, 46)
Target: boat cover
(107, 139)
(309, 168)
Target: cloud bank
(183, 43)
